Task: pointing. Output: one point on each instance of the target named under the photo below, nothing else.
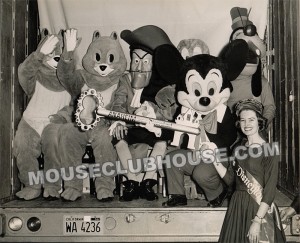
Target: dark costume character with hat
(155, 62)
(250, 83)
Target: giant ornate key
(181, 125)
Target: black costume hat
(147, 38)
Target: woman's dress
(242, 207)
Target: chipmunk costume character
(103, 63)
(37, 76)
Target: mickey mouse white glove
(208, 151)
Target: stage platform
(88, 220)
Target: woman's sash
(272, 217)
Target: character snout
(56, 59)
(103, 67)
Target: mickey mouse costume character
(165, 97)
(203, 89)
(250, 83)
(187, 48)
(154, 64)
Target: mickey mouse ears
(168, 62)
(147, 38)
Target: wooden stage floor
(88, 201)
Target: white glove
(113, 126)
(49, 45)
(146, 110)
(208, 151)
(208, 145)
(71, 40)
(151, 128)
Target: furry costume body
(47, 96)
(104, 54)
(43, 104)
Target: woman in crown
(255, 174)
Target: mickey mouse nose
(102, 67)
(56, 59)
(205, 101)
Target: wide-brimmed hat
(147, 38)
(239, 17)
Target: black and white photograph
(150, 121)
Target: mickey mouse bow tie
(208, 124)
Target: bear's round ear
(234, 54)
(168, 61)
(44, 33)
(96, 35)
(60, 36)
(114, 35)
(60, 33)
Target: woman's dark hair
(262, 122)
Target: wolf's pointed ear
(114, 35)
(96, 35)
(234, 54)
(168, 62)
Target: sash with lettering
(271, 227)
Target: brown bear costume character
(37, 76)
(103, 63)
